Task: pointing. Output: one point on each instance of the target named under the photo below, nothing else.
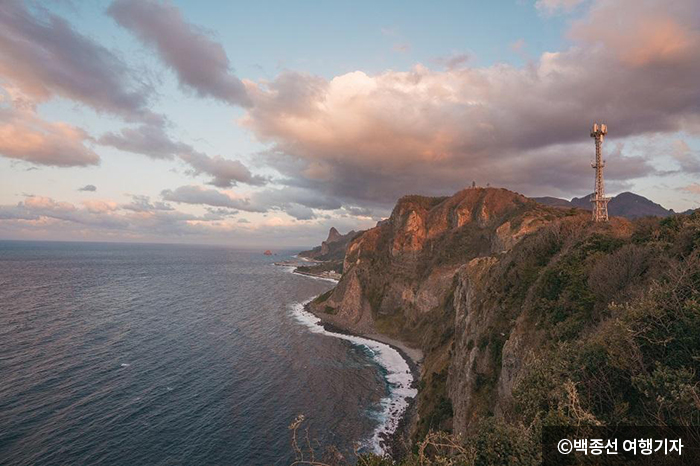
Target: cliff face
(550, 287)
(529, 315)
(405, 267)
(414, 276)
(490, 284)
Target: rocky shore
(398, 443)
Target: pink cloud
(693, 188)
(24, 136)
(375, 137)
(643, 33)
(97, 206)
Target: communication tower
(599, 201)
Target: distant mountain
(628, 205)
(553, 201)
(333, 249)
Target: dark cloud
(153, 141)
(199, 62)
(219, 213)
(358, 211)
(280, 197)
(150, 140)
(42, 55)
(370, 139)
(211, 197)
(89, 188)
(224, 172)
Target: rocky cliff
(492, 286)
(400, 278)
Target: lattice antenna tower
(599, 201)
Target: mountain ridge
(626, 204)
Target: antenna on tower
(599, 201)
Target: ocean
(134, 354)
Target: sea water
(168, 354)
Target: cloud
(96, 217)
(224, 172)
(688, 159)
(296, 202)
(280, 197)
(42, 55)
(205, 196)
(41, 203)
(25, 136)
(43, 217)
(454, 61)
(149, 140)
(200, 63)
(693, 188)
(153, 141)
(368, 139)
(518, 45)
(88, 188)
(142, 203)
(663, 34)
(97, 206)
(550, 7)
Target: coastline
(396, 444)
(315, 275)
(412, 356)
(294, 268)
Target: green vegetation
(614, 318)
(323, 297)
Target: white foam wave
(293, 268)
(398, 375)
(327, 279)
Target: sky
(263, 124)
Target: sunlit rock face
(472, 280)
(411, 275)
(406, 265)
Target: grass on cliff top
(620, 315)
(614, 310)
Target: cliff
(400, 277)
(524, 312)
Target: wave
(398, 375)
(293, 268)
